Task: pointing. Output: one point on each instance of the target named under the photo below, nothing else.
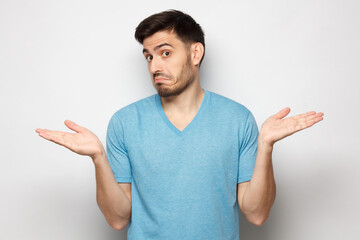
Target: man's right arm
(114, 199)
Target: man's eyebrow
(158, 46)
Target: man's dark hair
(182, 24)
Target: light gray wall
(78, 60)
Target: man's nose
(155, 66)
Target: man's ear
(197, 52)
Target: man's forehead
(159, 38)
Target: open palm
(277, 127)
(83, 142)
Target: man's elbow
(258, 220)
(119, 225)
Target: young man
(181, 163)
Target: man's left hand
(278, 127)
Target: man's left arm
(257, 196)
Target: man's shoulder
(227, 110)
(139, 106)
(227, 104)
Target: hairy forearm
(112, 200)
(259, 195)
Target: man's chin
(166, 92)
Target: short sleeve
(116, 151)
(248, 149)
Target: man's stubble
(184, 80)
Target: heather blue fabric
(183, 183)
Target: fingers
(282, 113)
(309, 117)
(317, 117)
(307, 120)
(73, 126)
(51, 137)
(39, 130)
(304, 115)
(70, 124)
(58, 137)
(43, 133)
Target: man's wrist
(264, 146)
(99, 157)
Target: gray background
(78, 60)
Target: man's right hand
(83, 142)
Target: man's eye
(149, 58)
(166, 53)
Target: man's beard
(184, 80)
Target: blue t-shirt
(183, 183)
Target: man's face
(169, 63)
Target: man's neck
(186, 103)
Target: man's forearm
(112, 200)
(259, 195)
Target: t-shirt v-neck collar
(193, 121)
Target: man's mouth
(160, 77)
(160, 80)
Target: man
(181, 163)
